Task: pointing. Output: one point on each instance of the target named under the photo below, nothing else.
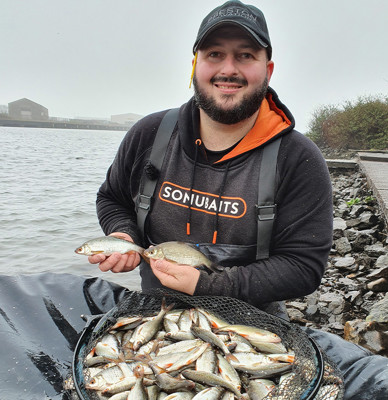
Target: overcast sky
(97, 58)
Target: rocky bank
(352, 300)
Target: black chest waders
(265, 207)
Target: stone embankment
(352, 300)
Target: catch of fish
(177, 252)
(188, 354)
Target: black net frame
(312, 368)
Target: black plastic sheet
(40, 323)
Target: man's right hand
(117, 262)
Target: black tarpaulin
(40, 323)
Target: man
(207, 189)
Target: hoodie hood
(274, 120)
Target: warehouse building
(27, 109)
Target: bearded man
(208, 185)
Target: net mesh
(314, 375)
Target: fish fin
(230, 357)
(216, 268)
(142, 357)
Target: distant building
(125, 119)
(27, 109)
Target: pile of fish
(188, 354)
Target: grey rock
(345, 262)
(342, 246)
(379, 312)
(367, 220)
(361, 239)
(375, 250)
(355, 283)
(382, 261)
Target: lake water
(48, 184)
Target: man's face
(231, 76)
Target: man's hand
(179, 277)
(117, 262)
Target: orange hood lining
(270, 122)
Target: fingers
(96, 259)
(176, 276)
(120, 262)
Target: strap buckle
(266, 213)
(144, 202)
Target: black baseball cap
(235, 12)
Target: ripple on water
(48, 180)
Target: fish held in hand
(108, 245)
(180, 253)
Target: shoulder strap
(266, 207)
(158, 151)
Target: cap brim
(206, 33)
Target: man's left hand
(179, 277)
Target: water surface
(48, 184)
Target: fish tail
(166, 308)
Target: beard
(249, 104)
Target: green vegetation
(366, 200)
(360, 125)
(353, 202)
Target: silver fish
(185, 322)
(252, 334)
(120, 396)
(180, 253)
(259, 365)
(108, 245)
(180, 335)
(180, 396)
(138, 392)
(105, 378)
(228, 372)
(147, 331)
(167, 382)
(127, 323)
(206, 361)
(215, 321)
(212, 393)
(259, 388)
(178, 347)
(153, 392)
(213, 339)
(211, 380)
